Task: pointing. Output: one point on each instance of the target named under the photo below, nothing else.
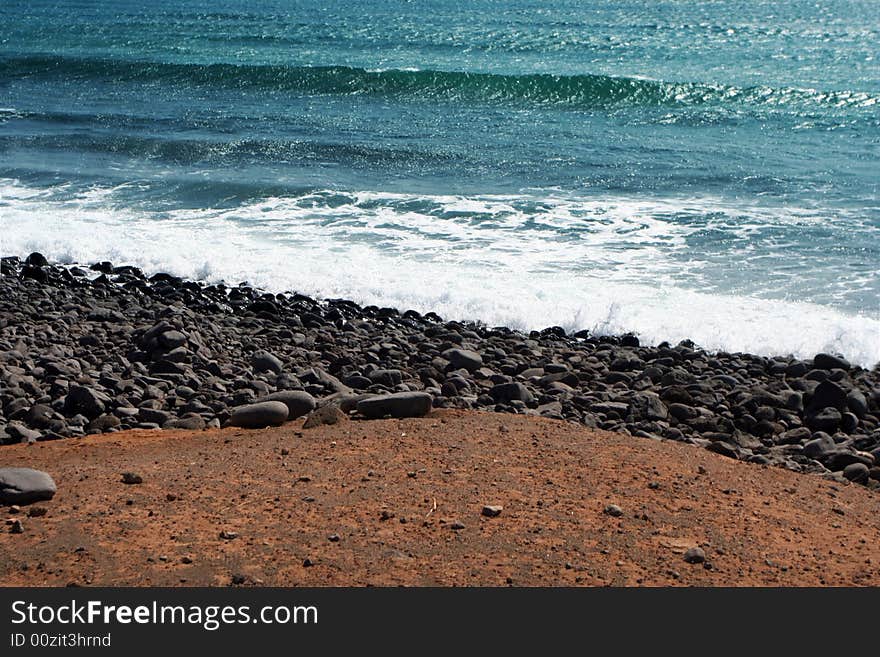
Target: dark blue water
(674, 168)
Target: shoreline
(163, 352)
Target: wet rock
(36, 260)
(829, 362)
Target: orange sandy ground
(757, 525)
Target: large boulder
(259, 415)
(400, 404)
(24, 485)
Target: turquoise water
(679, 169)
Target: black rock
(259, 415)
(263, 361)
(829, 362)
(857, 403)
(827, 420)
(828, 395)
(21, 433)
(401, 404)
(849, 422)
(388, 378)
(819, 447)
(857, 472)
(35, 274)
(84, 401)
(104, 422)
(695, 555)
(153, 415)
(647, 406)
(189, 422)
(171, 339)
(507, 392)
(132, 478)
(36, 260)
(298, 402)
(724, 448)
(464, 359)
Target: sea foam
(607, 265)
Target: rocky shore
(101, 348)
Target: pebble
(132, 478)
(613, 510)
(695, 555)
(492, 511)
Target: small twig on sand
(433, 508)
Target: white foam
(486, 258)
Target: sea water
(673, 168)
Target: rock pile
(105, 348)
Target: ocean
(672, 168)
